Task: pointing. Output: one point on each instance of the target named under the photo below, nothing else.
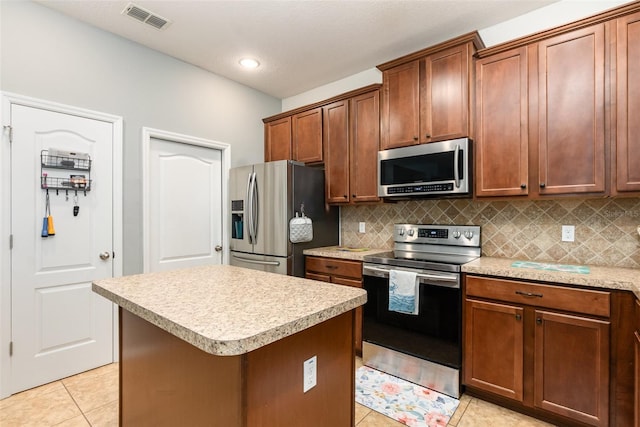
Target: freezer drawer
(269, 264)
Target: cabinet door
(365, 142)
(277, 140)
(400, 106)
(307, 136)
(336, 146)
(445, 104)
(571, 112)
(571, 367)
(628, 104)
(502, 124)
(493, 351)
(637, 379)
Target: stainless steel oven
(424, 348)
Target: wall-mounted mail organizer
(55, 162)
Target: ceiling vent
(145, 16)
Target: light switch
(309, 373)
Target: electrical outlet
(361, 227)
(309, 373)
(568, 233)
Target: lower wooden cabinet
(340, 272)
(521, 343)
(637, 367)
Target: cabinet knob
(353, 195)
(542, 185)
(523, 186)
(427, 136)
(518, 316)
(415, 138)
(539, 320)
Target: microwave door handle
(456, 170)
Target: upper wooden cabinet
(571, 112)
(425, 95)
(627, 147)
(277, 140)
(502, 124)
(351, 141)
(307, 136)
(557, 108)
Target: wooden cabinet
(306, 130)
(637, 367)
(544, 347)
(502, 124)
(425, 94)
(401, 106)
(571, 112)
(541, 111)
(351, 140)
(627, 147)
(444, 106)
(341, 272)
(277, 140)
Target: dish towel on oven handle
(404, 292)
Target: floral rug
(408, 403)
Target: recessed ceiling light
(249, 63)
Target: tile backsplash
(605, 229)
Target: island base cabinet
(571, 366)
(164, 381)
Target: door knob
(105, 255)
(218, 248)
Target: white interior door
(185, 205)
(59, 326)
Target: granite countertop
(354, 254)
(597, 277)
(226, 310)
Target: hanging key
(76, 208)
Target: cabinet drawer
(337, 267)
(347, 282)
(585, 301)
(319, 277)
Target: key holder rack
(74, 182)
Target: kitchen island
(225, 346)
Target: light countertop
(226, 310)
(598, 277)
(354, 254)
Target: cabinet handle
(542, 185)
(331, 267)
(539, 321)
(415, 138)
(528, 294)
(518, 317)
(523, 186)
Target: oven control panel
(454, 235)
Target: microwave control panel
(423, 188)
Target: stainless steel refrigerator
(264, 198)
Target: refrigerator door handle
(255, 212)
(249, 206)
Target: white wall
(556, 14)
(49, 56)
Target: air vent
(145, 16)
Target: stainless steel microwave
(437, 169)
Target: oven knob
(456, 234)
(411, 232)
(468, 234)
(401, 232)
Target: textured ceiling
(300, 44)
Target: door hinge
(10, 241)
(10, 129)
(11, 348)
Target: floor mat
(403, 401)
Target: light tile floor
(91, 399)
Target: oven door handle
(419, 275)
